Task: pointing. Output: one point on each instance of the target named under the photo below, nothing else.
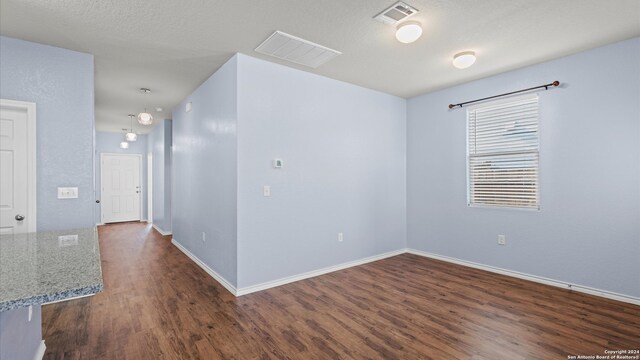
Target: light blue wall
(19, 337)
(159, 143)
(109, 143)
(204, 172)
(344, 151)
(60, 82)
(588, 230)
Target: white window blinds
(502, 157)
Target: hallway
(157, 304)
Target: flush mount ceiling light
(159, 109)
(464, 59)
(408, 32)
(131, 136)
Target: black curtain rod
(545, 86)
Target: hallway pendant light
(408, 32)
(144, 118)
(464, 59)
(131, 136)
(124, 145)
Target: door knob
(97, 201)
(19, 217)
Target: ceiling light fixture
(464, 59)
(408, 32)
(124, 145)
(144, 118)
(131, 136)
(159, 109)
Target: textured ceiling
(173, 46)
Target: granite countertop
(42, 267)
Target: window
(503, 153)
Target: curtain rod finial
(556, 83)
(451, 106)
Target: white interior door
(120, 183)
(17, 167)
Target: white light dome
(408, 32)
(464, 59)
(131, 136)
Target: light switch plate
(266, 190)
(67, 193)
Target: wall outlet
(266, 190)
(502, 240)
(67, 240)
(204, 236)
(340, 237)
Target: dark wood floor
(157, 304)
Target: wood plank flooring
(157, 304)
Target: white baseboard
(534, 278)
(313, 273)
(282, 281)
(286, 280)
(40, 353)
(162, 232)
(217, 277)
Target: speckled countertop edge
(47, 298)
(58, 295)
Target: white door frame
(139, 156)
(30, 108)
(149, 188)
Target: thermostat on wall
(277, 163)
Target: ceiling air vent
(300, 51)
(397, 12)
